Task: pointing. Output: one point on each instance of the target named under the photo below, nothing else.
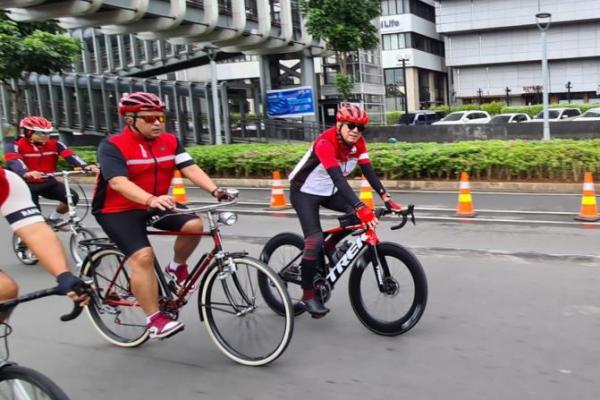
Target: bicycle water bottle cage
(348, 220)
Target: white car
(465, 117)
(558, 114)
(593, 114)
(509, 118)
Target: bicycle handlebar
(66, 173)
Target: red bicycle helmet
(35, 124)
(138, 101)
(351, 113)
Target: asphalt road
(513, 313)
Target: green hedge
(500, 108)
(555, 160)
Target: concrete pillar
(412, 88)
(307, 76)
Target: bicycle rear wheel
(79, 252)
(399, 305)
(22, 252)
(240, 323)
(116, 314)
(21, 383)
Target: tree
(346, 26)
(25, 48)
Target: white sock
(55, 215)
(149, 317)
(173, 266)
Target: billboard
(293, 102)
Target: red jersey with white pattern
(150, 164)
(328, 151)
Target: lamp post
(403, 61)
(507, 90)
(479, 93)
(542, 21)
(569, 86)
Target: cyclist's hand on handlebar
(163, 203)
(367, 216)
(392, 206)
(73, 287)
(92, 168)
(34, 174)
(221, 194)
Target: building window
(426, 44)
(422, 10)
(394, 7)
(393, 41)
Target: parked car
(509, 118)
(465, 117)
(558, 114)
(593, 114)
(421, 117)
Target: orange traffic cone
(465, 202)
(366, 194)
(277, 194)
(589, 211)
(178, 190)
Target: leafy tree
(39, 47)
(346, 26)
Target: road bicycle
(387, 285)
(72, 224)
(238, 321)
(22, 383)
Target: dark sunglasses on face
(352, 126)
(150, 119)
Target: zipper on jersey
(155, 168)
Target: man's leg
(143, 279)
(8, 288)
(185, 245)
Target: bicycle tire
(279, 252)
(79, 253)
(23, 254)
(38, 386)
(357, 292)
(229, 306)
(129, 319)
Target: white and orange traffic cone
(589, 210)
(366, 194)
(465, 201)
(178, 188)
(277, 193)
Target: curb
(483, 186)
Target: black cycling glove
(67, 282)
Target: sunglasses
(352, 126)
(150, 119)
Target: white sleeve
(18, 208)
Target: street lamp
(569, 86)
(507, 90)
(479, 93)
(542, 21)
(403, 61)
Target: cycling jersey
(15, 201)
(22, 156)
(311, 175)
(149, 164)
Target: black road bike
(387, 285)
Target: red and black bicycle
(387, 285)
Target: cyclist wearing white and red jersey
(26, 220)
(137, 166)
(319, 180)
(34, 154)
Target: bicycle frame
(73, 221)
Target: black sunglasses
(352, 126)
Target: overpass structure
(125, 42)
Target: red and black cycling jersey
(22, 156)
(311, 174)
(150, 164)
(15, 201)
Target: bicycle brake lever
(77, 309)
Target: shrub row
(556, 160)
(498, 107)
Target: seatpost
(72, 213)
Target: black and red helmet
(35, 124)
(348, 112)
(140, 101)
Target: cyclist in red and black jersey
(137, 166)
(25, 219)
(34, 154)
(319, 180)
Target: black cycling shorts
(50, 189)
(128, 229)
(307, 208)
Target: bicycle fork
(380, 267)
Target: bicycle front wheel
(18, 383)
(115, 313)
(22, 251)
(399, 304)
(240, 323)
(79, 252)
